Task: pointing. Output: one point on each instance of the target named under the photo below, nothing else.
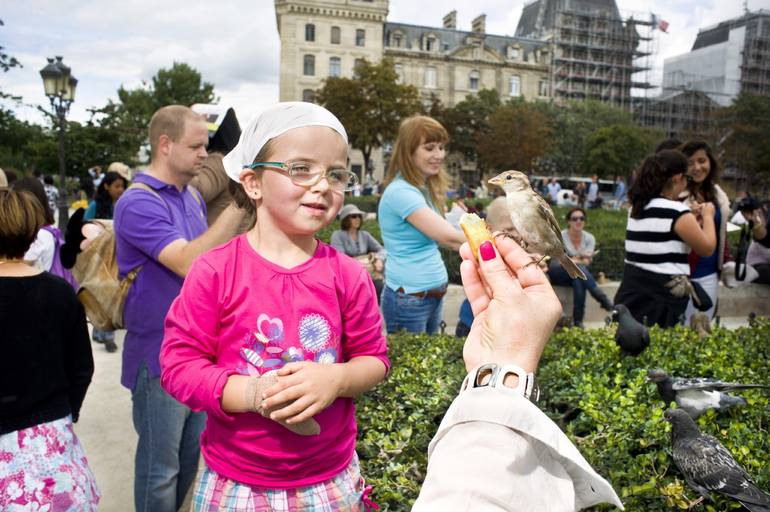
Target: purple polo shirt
(144, 225)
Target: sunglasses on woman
(578, 218)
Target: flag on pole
(659, 24)
(663, 26)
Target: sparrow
(708, 466)
(534, 220)
(696, 395)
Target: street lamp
(60, 85)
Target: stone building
(322, 38)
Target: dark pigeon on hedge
(698, 394)
(707, 466)
(631, 336)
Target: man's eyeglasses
(579, 218)
(304, 174)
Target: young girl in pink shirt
(276, 303)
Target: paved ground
(108, 436)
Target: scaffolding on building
(755, 66)
(599, 56)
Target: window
(309, 32)
(430, 77)
(308, 95)
(335, 35)
(399, 68)
(335, 66)
(397, 40)
(542, 88)
(308, 65)
(360, 37)
(513, 53)
(473, 81)
(356, 64)
(430, 44)
(514, 86)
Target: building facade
(324, 38)
(726, 59)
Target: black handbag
(742, 251)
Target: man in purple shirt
(163, 230)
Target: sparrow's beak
(496, 181)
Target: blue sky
(234, 43)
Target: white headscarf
(271, 123)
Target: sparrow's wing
(712, 466)
(547, 214)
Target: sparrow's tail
(572, 269)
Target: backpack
(102, 293)
(57, 268)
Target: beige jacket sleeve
(496, 451)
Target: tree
(370, 105)
(518, 133)
(575, 123)
(616, 149)
(746, 145)
(128, 118)
(467, 121)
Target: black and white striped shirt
(652, 244)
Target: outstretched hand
(514, 306)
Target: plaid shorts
(344, 492)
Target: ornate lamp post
(60, 87)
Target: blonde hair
(22, 218)
(414, 131)
(169, 121)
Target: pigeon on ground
(631, 336)
(708, 466)
(697, 395)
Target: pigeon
(631, 336)
(697, 395)
(534, 220)
(708, 466)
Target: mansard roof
(451, 40)
(539, 17)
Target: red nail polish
(487, 251)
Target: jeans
(168, 449)
(415, 314)
(559, 277)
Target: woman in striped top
(659, 235)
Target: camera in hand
(747, 204)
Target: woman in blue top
(411, 216)
(107, 194)
(110, 189)
(704, 173)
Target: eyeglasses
(304, 174)
(689, 178)
(576, 219)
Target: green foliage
(370, 105)
(518, 133)
(619, 428)
(616, 149)
(468, 121)
(747, 145)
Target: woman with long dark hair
(703, 170)
(412, 223)
(109, 191)
(660, 232)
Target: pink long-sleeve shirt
(239, 313)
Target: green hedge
(619, 428)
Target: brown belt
(435, 293)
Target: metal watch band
(526, 387)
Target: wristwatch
(493, 375)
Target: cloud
(235, 44)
